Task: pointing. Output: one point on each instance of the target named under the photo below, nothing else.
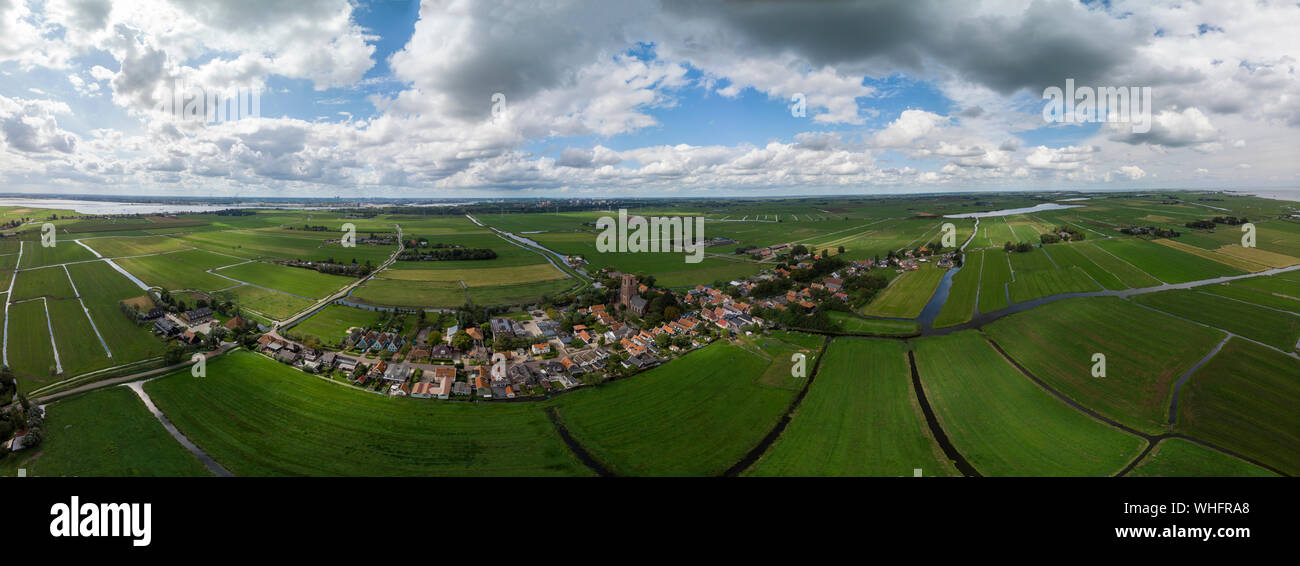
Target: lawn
(260, 418)
(1146, 353)
(1278, 329)
(960, 306)
(1165, 263)
(695, 416)
(1176, 457)
(107, 433)
(1245, 400)
(330, 324)
(293, 280)
(179, 270)
(860, 418)
(853, 324)
(907, 295)
(994, 276)
(1004, 424)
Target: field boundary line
(1247, 302)
(1178, 385)
(208, 462)
(58, 365)
(4, 347)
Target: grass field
(101, 288)
(104, 433)
(1125, 272)
(1241, 291)
(522, 293)
(907, 295)
(179, 270)
(1278, 329)
(1145, 353)
(1004, 424)
(330, 324)
(1165, 263)
(860, 418)
(49, 282)
(131, 246)
(853, 324)
(1237, 261)
(273, 304)
(29, 350)
(64, 250)
(480, 277)
(1069, 256)
(1030, 285)
(1245, 400)
(260, 418)
(695, 416)
(994, 276)
(960, 306)
(1175, 457)
(396, 292)
(293, 280)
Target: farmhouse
(198, 315)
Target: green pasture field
(1245, 400)
(258, 417)
(1278, 329)
(960, 305)
(480, 277)
(846, 322)
(49, 282)
(396, 292)
(293, 280)
(64, 250)
(1125, 272)
(79, 349)
(299, 244)
(994, 276)
(1006, 425)
(1164, 263)
(330, 325)
(522, 293)
(779, 348)
(509, 254)
(273, 304)
(1146, 353)
(1242, 293)
(1033, 260)
(1176, 457)
(1035, 284)
(860, 418)
(1287, 284)
(179, 270)
(132, 246)
(107, 433)
(694, 416)
(31, 355)
(669, 268)
(908, 294)
(1067, 256)
(101, 288)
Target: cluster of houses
(308, 359)
(186, 327)
(371, 341)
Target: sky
(593, 99)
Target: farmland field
(49, 282)
(860, 418)
(1035, 284)
(960, 305)
(907, 295)
(694, 416)
(1165, 263)
(1068, 256)
(1278, 329)
(104, 433)
(1145, 353)
(396, 292)
(293, 280)
(258, 417)
(330, 324)
(994, 276)
(1123, 271)
(849, 323)
(1241, 291)
(101, 288)
(1004, 424)
(480, 277)
(522, 293)
(273, 304)
(1175, 457)
(63, 251)
(180, 270)
(1245, 400)
(29, 350)
(134, 245)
